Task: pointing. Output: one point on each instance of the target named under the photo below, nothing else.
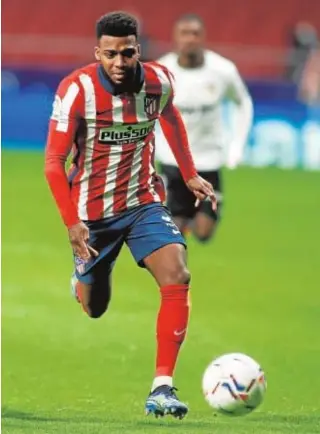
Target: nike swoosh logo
(175, 232)
(178, 333)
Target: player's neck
(132, 84)
(191, 61)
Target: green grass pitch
(255, 289)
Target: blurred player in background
(203, 81)
(105, 113)
(309, 86)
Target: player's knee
(203, 235)
(95, 314)
(97, 304)
(94, 311)
(177, 275)
(204, 238)
(184, 275)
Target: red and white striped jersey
(113, 140)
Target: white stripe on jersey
(151, 172)
(90, 116)
(133, 186)
(117, 110)
(61, 111)
(114, 160)
(165, 86)
(111, 178)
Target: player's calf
(168, 265)
(204, 236)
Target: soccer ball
(234, 384)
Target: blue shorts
(144, 229)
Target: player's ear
(138, 51)
(97, 53)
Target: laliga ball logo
(234, 384)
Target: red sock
(171, 326)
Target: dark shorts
(144, 229)
(180, 200)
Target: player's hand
(79, 236)
(202, 189)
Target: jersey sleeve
(236, 89)
(167, 87)
(175, 132)
(176, 135)
(238, 93)
(67, 110)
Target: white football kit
(199, 95)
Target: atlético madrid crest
(150, 104)
(80, 264)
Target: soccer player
(203, 81)
(105, 114)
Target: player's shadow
(18, 417)
(188, 425)
(286, 422)
(9, 413)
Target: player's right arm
(67, 109)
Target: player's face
(118, 56)
(189, 36)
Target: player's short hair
(190, 17)
(118, 24)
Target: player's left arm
(238, 93)
(175, 133)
